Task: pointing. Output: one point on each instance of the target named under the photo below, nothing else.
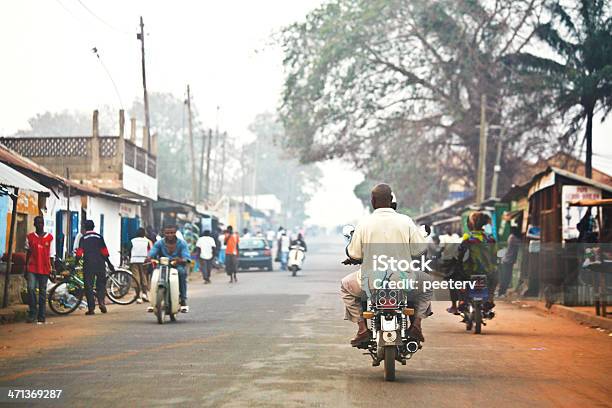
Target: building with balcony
(111, 163)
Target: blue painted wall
(5, 202)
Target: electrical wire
(102, 20)
(95, 51)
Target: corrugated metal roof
(574, 176)
(10, 177)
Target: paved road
(276, 341)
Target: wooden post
(192, 151)
(95, 145)
(208, 147)
(482, 152)
(9, 262)
(140, 36)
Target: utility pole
(208, 147)
(241, 220)
(482, 152)
(192, 151)
(68, 217)
(254, 185)
(140, 36)
(201, 168)
(497, 168)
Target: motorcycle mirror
(348, 230)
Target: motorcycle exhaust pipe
(412, 346)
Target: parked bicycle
(67, 294)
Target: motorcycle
(295, 258)
(388, 314)
(473, 309)
(164, 296)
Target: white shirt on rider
(386, 226)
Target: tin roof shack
(111, 163)
(447, 216)
(554, 258)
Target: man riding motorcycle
(384, 226)
(177, 252)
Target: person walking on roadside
(270, 235)
(140, 247)
(39, 253)
(509, 259)
(283, 249)
(231, 254)
(205, 251)
(94, 252)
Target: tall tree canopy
(390, 82)
(580, 34)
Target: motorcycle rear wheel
(160, 305)
(390, 352)
(477, 319)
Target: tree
(169, 121)
(581, 69)
(379, 81)
(71, 123)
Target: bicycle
(67, 295)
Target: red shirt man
(41, 250)
(39, 245)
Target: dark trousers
(37, 309)
(205, 267)
(231, 264)
(100, 277)
(505, 276)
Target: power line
(95, 51)
(100, 19)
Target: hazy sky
(215, 46)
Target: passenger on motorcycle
(178, 253)
(482, 253)
(383, 226)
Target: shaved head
(382, 196)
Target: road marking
(111, 357)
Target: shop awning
(9, 177)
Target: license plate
(253, 253)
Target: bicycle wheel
(121, 287)
(65, 297)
